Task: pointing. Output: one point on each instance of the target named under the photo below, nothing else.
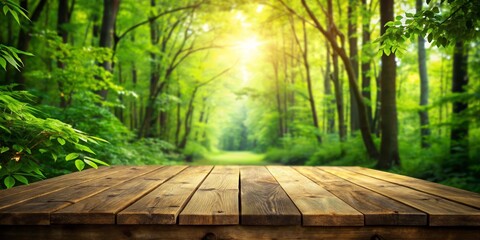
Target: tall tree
(333, 35)
(424, 89)
(353, 49)
(389, 155)
(366, 60)
(63, 18)
(24, 37)
(107, 33)
(460, 125)
(330, 100)
(306, 64)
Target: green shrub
(296, 151)
(28, 142)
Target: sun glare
(249, 45)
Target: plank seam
(149, 191)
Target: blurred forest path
(232, 158)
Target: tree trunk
(278, 97)
(24, 38)
(422, 70)
(178, 118)
(311, 98)
(353, 47)
(366, 67)
(459, 149)
(332, 36)
(188, 119)
(63, 17)
(389, 155)
(330, 100)
(110, 10)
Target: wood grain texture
(23, 193)
(216, 201)
(442, 212)
(162, 205)
(37, 210)
(455, 194)
(318, 206)
(263, 201)
(103, 207)
(121, 232)
(377, 209)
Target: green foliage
(194, 150)
(27, 139)
(441, 24)
(146, 151)
(336, 153)
(10, 54)
(296, 151)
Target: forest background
(386, 84)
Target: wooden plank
(162, 205)
(120, 232)
(458, 195)
(318, 206)
(442, 212)
(377, 209)
(38, 210)
(216, 200)
(103, 207)
(23, 193)
(263, 200)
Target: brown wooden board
(37, 210)
(458, 195)
(263, 201)
(216, 201)
(442, 212)
(103, 207)
(162, 205)
(23, 193)
(120, 232)
(318, 206)
(377, 209)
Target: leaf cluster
(442, 24)
(27, 138)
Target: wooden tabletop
(233, 195)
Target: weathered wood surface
(263, 200)
(216, 200)
(123, 202)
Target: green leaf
(79, 164)
(61, 141)
(9, 182)
(5, 9)
(17, 148)
(4, 149)
(54, 156)
(10, 60)
(436, 10)
(71, 156)
(21, 178)
(15, 15)
(42, 150)
(92, 164)
(97, 161)
(3, 63)
(83, 148)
